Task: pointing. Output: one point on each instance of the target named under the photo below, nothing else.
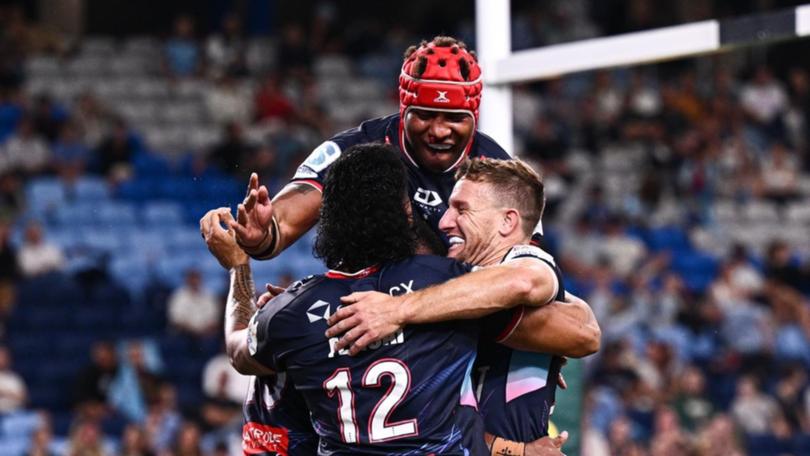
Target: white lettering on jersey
(401, 289)
(394, 339)
(427, 197)
(323, 156)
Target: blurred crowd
(706, 328)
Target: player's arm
(369, 316)
(264, 228)
(240, 305)
(565, 328)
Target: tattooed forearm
(241, 304)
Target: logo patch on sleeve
(523, 251)
(323, 156)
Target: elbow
(590, 341)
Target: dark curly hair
(363, 218)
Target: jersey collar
(333, 274)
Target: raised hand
(221, 241)
(253, 217)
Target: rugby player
(401, 396)
(493, 208)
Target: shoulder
(530, 252)
(433, 265)
(485, 146)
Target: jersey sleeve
(533, 252)
(500, 325)
(313, 170)
(265, 338)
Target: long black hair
(363, 218)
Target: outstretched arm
(370, 316)
(264, 228)
(566, 328)
(240, 306)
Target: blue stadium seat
(163, 213)
(91, 189)
(180, 189)
(697, 269)
(14, 446)
(44, 194)
(116, 214)
(138, 189)
(668, 238)
(103, 239)
(767, 445)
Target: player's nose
(439, 128)
(447, 222)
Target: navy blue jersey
(515, 389)
(429, 191)
(408, 394)
(276, 419)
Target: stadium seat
(44, 195)
(767, 445)
(162, 213)
(668, 238)
(91, 189)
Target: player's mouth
(439, 148)
(456, 245)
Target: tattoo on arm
(241, 304)
(302, 188)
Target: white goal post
(502, 67)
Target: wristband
(267, 248)
(503, 447)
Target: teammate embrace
(394, 372)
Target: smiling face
(436, 139)
(474, 224)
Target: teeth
(440, 146)
(453, 240)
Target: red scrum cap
(441, 75)
(445, 77)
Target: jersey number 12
(379, 429)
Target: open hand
(253, 216)
(221, 241)
(367, 317)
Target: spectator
(181, 54)
(226, 51)
(136, 385)
(37, 256)
(134, 442)
(229, 101)
(624, 253)
(719, 437)
(70, 154)
(92, 385)
(294, 53)
(92, 119)
(752, 410)
(25, 150)
(231, 154)
(272, 103)
(782, 269)
(86, 440)
(765, 101)
(693, 407)
(114, 154)
(222, 382)
(193, 309)
(188, 441)
(42, 442)
(163, 422)
(779, 176)
(13, 393)
(48, 117)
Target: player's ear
(510, 221)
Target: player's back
(399, 396)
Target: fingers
(264, 299)
(350, 336)
(250, 201)
(208, 222)
(253, 183)
(560, 440)
(561, 381)
(274, 290)
(263, 195)
(354, 297)
(335, 326)
(241, 215)
(240, 230)
(361, 344)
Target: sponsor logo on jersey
(523, 251)
(303, 172)
(394, 339)
(322, 156)
(260, 438)
(441, 97)
(427, 197)
(319, 311)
